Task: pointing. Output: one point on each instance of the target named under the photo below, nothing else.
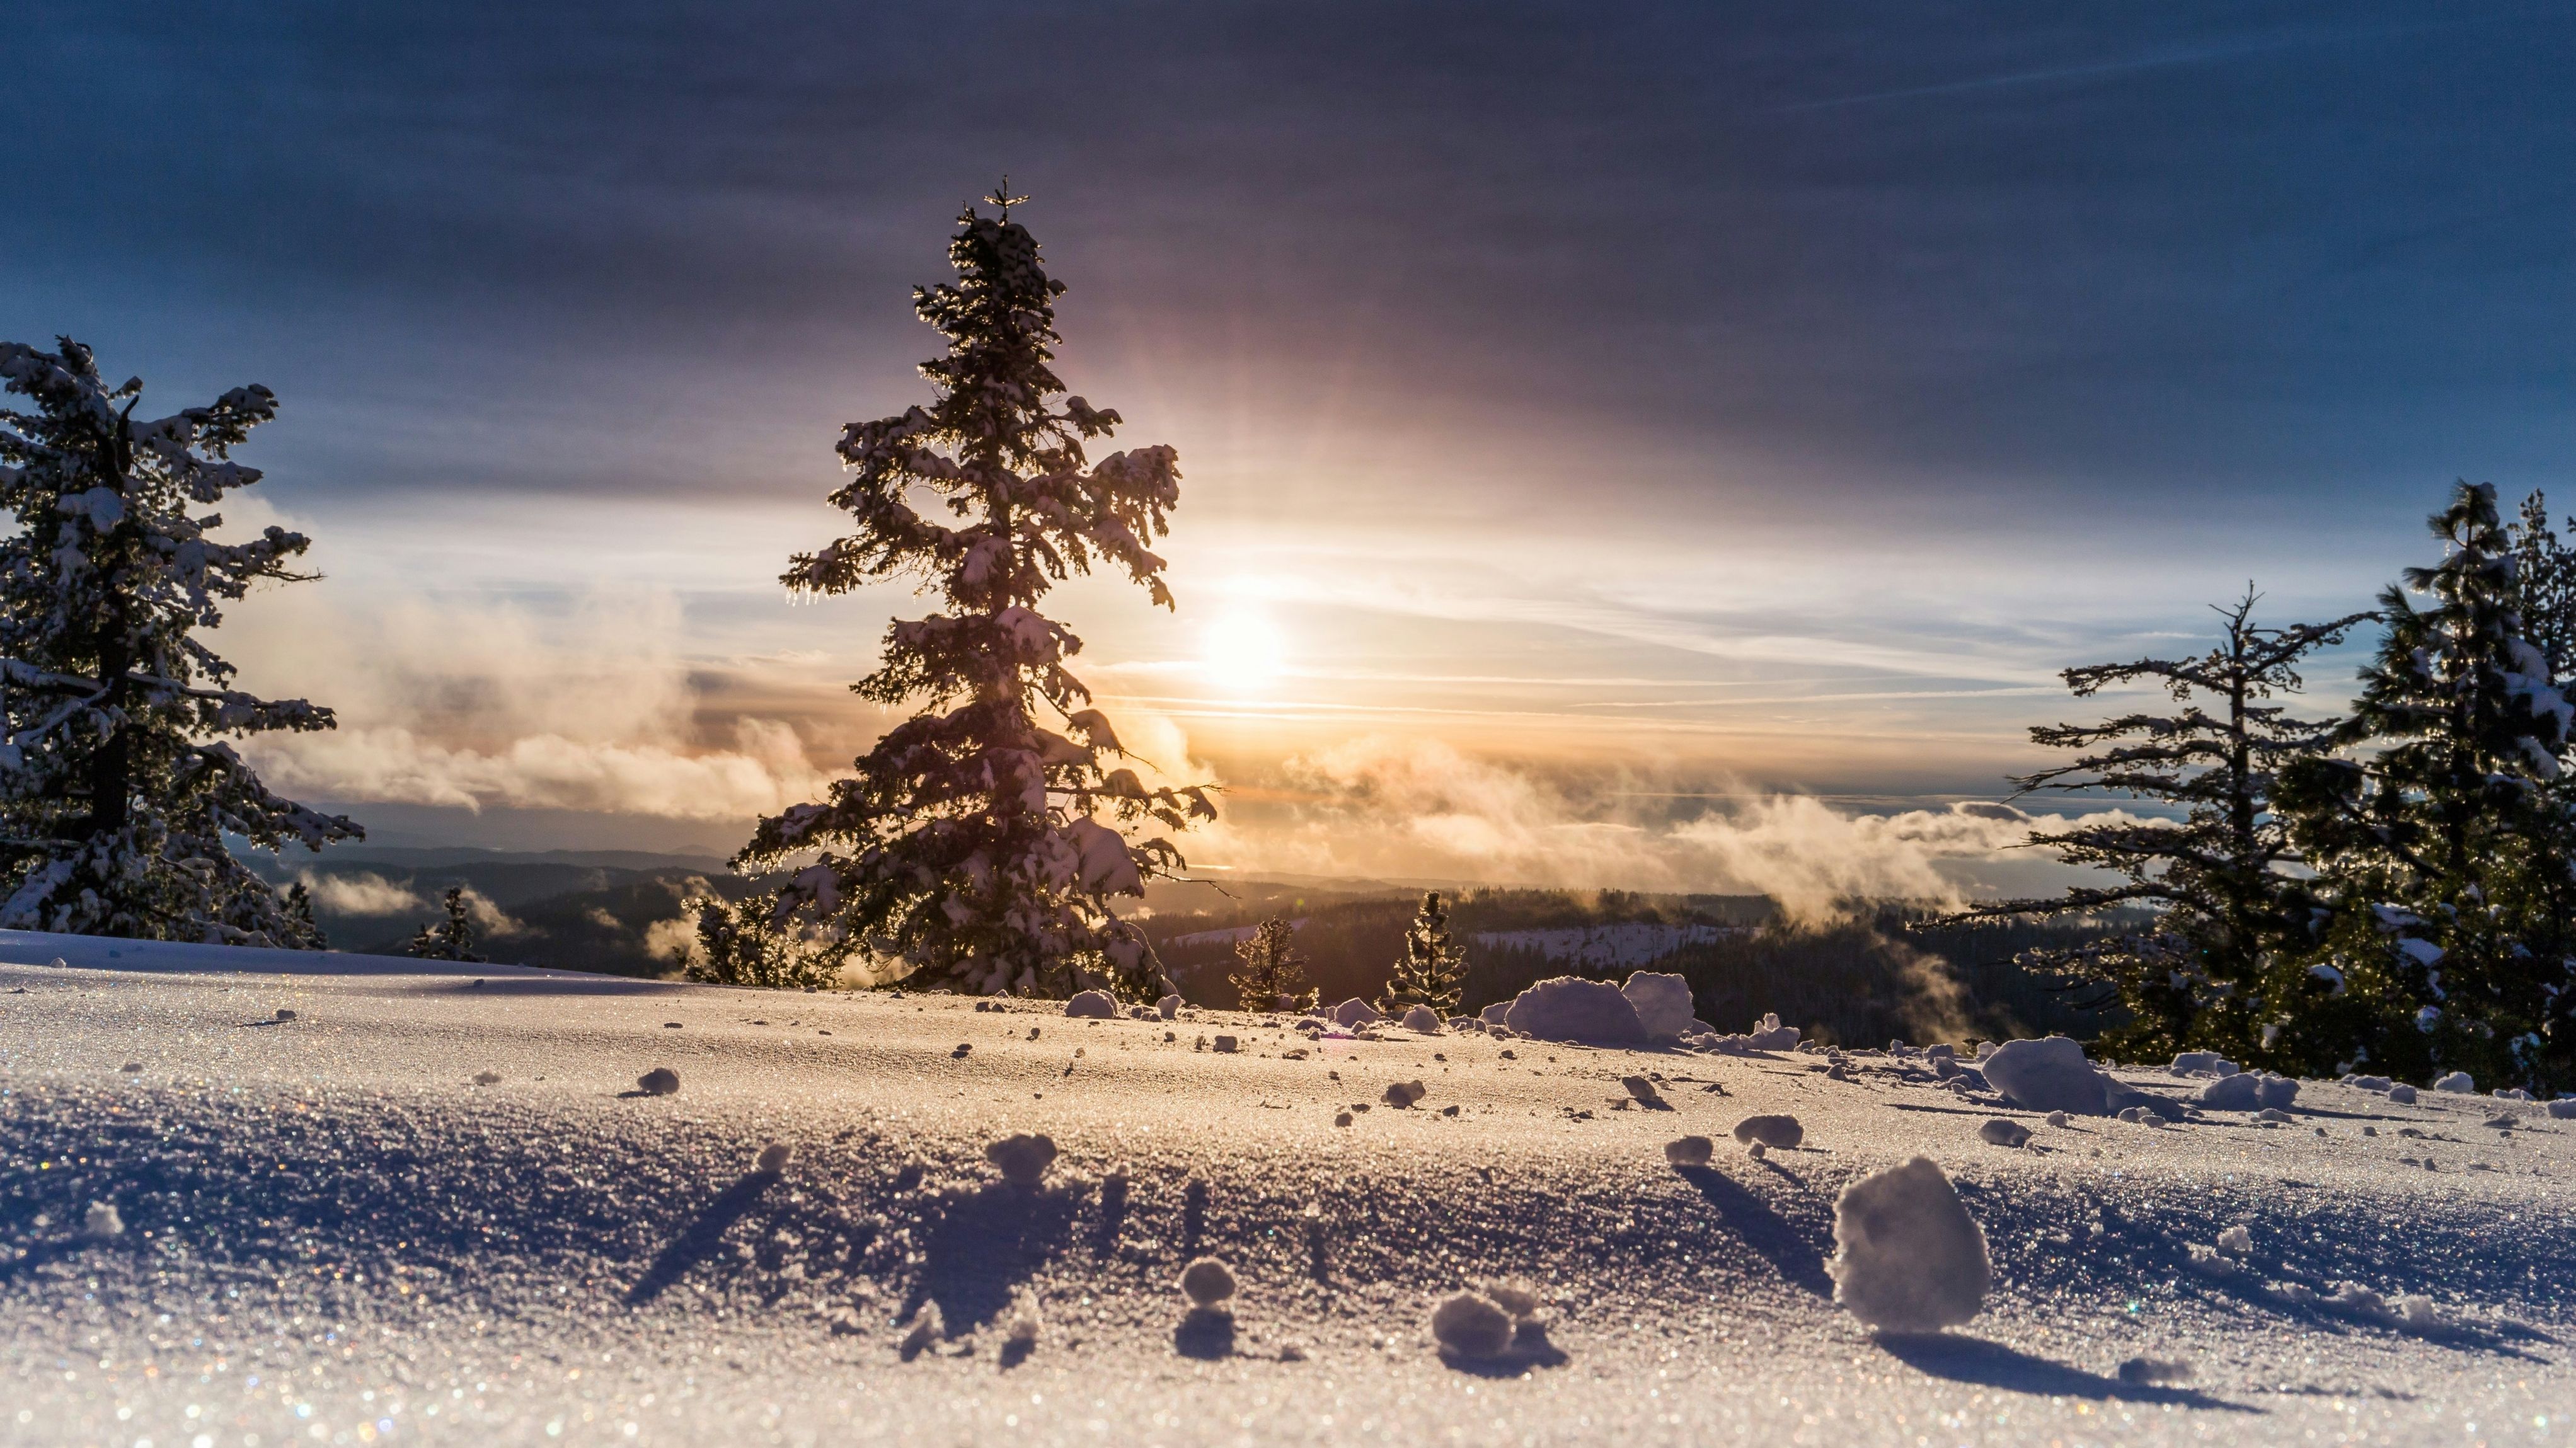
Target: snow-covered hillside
(341, 1200)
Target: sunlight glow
(1243, 653)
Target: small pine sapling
(449, 939)
(1432, 971)
(1273, 974)
(754, 943)
(983, 844)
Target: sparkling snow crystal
(1907, 1257)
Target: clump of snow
(1689, 1151)
(926, 1329)
(481, 1078)
(1023, 1158)
(2047, 1075)
(2274, 1115)
(1774, 1131)
(284, 1014)
(1493, 1015)
(1355, 1012)
(1207, 1282)
(1907, 1257)
(1404, 1093)
(1770, 1035)
(2004, 1133)
(2202, 1063)
(1663, 1004)
(1225, 1045)
(1472, 1325)
(102, 1222)
(1757, 1151)
(773, 1158)
(1092, 1005)
(2247, 1091)
(1517, 1298)
(1423, 1019)
(1567, 1008)
(1168, 1007)
(1641, 1091)
(1020, 1334)
(660, 1081)
(2237, 1241)
(2563, 1109)
(2402, 1094)
(2060, 1119)
(2141, 1371)
(2512, 1093)
(2458, 1082)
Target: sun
(1243, 653)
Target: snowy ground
(333, 1234)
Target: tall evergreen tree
(117, 789)
(2232, 913)
(2445, 832)
(1272, 974)
(971, 846)
(1432, 971)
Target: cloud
(1408, 807)
(765, 772)
(671, 940)
(360, 894)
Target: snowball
(2513, 1093)
(1473, 1326)
(1779, 1131)
(1493, 1015)
(1207, 1282)
(1567, 1008)
(2403, 1095)
(284, 1014)
(2276, 1091)
(481, 1078)
(1688, 1151)
(2236, 1241)
(1404, 1093)
(2140, 1371)
(773, 1157)
(1641, 1090)
(2231, 1093)
(1168, 1007)
(660, 1081)
(2564, 1108)
(1662, 1002)
(2368, 1083)
(2202, 1063)
(2060, 1119)
(1423, 1019)
(1092, 1004)
(1225, 1045)
(102, 1222)
(2458, 1082)
(1517, 1298)
(2004, 1133)
(1355, 1012)
(1341, 1118)
(1023, 1158)
(1907, 1257)
(2047, 1075)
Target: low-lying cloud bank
(1382, 806)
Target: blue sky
(1674, 402)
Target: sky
(1660, 446)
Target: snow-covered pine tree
(2544, 588)
(2444, 833)
(1273, 974)
(2231, 913)
(1432, 971)
(117, 790)
(970, 846)
(449, 939)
